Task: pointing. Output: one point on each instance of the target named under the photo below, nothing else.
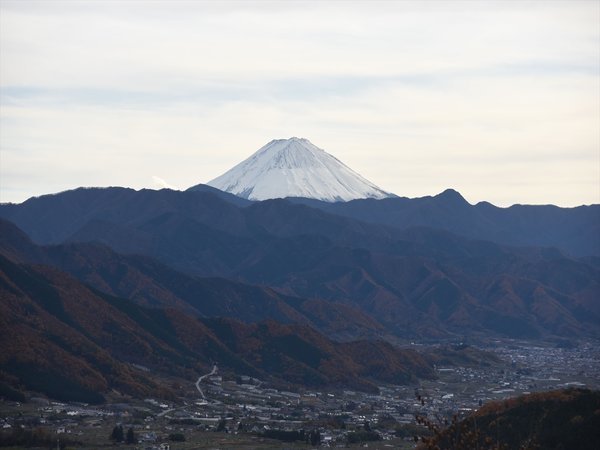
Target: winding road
(212, 372)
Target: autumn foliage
(565, 419)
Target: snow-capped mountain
(295, 168)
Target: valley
(242, 412)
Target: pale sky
(498, 100)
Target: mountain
(415, 281)
(149, 283)
(72, 342)
(295, 168)
(51, 219)
(60, 338)
(573, 230)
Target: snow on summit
(295, 168)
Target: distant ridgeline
(434, 266)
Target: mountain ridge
(74, 343)
(414, 281)
(150, 283)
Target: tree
(315, 437)
(130, 439)
(221, 425)
(117, 434)
(355, 437)
(177, 437)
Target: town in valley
(238, 411)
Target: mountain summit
(295, 168)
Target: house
(148, 437)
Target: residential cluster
(248, 406)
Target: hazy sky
(499, 100)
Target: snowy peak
(295, 167)
(293, 153)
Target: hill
(152, 284)
(548, 420)
(71, 342)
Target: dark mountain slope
(234, 199)
(548, 420)
(70, 342)
(483, 287)
(415, 281)
(150, 283)
(52, 219)
(305, 357)
(57, 338)
(456, 286)
(574, 230)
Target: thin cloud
(159, 182)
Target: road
(211, 373)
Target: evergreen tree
(315, 437)
(177, 437)
(130, 439)
(117, 434)
(221, 425)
